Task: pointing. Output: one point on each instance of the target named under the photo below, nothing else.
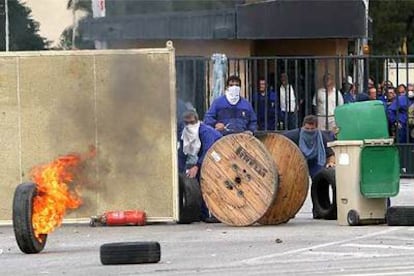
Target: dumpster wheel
(353, 218)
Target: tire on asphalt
(130, 253)
(189, 200)
(22, 219)
(323, 206)
(400, 216)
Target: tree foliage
(23, 30)
(393, 22)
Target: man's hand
(191, 173)
(219, 126)
(330, 163)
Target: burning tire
(22, 219)
(130, 253)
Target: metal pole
(74, 26)
(6, 7)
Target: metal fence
(283, 105)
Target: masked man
(231, 113)
(195, 141)
(312, 142)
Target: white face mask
(192, 129)
(233, 94)
(410, 94)
(191, 139)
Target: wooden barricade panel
(120, 101)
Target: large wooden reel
(293, 178)
(238, 179)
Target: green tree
(23, 30)
(393, 23)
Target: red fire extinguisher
(118, 218)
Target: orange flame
(56, 191)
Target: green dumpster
(380, 171)
(361, 120)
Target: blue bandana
(311, 145)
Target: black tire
(323, 207)
(400, 216)
(353, 218)
(189, 200)
(22, 219)
(130, 253)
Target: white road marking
(350, 254)
(382, 273)
(384, 246)
(261, 259)
(398, 238)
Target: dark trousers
(288, 119)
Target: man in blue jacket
(195, 140)
(398, 116)
(231, 113)
(312, 142)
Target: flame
(56, 190)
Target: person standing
(265, 102)
(325, 101)
(231, 113)
(287, 103)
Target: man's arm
(207, 139)
(330, 154)
(210, 118)
(252, 126)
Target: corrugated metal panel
(283, 19)
(218, 24)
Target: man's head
(233, 81)
(372, 93)
(401, 89)
(410, 90)
(327, 80)
(310, 123)
(190, 117)
(391, 94)
(262, 86)
(371, 82)
(284, 79)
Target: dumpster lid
(380, 171)
(346, 143)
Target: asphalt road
(301, 247)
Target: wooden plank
(293, 178)
(238, 179)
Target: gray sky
(52, 16)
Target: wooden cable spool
(293, 178)
(238, 179)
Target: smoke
(125, 110)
